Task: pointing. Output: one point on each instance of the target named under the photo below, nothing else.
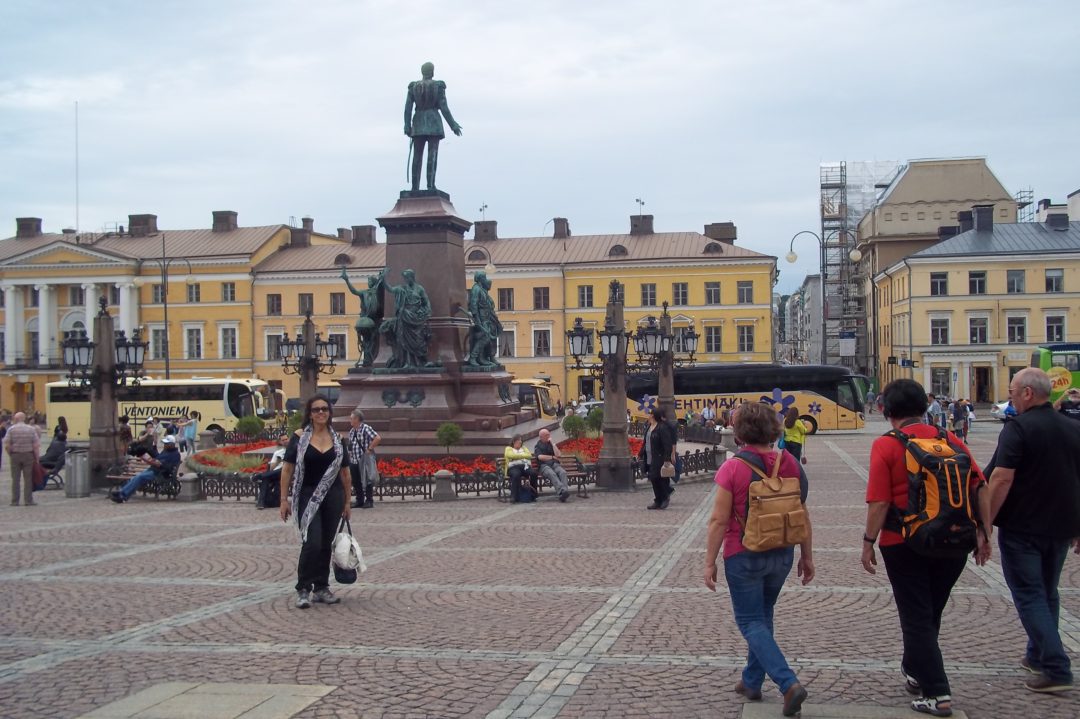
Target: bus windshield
(1060, 360)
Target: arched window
(617, 251)
(477, 256)
(343, 259)
(713, 248)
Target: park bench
(576, 477)
(119, 474)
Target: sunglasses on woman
(320, 409)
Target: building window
(273, 305)
(337, 303)
(541, 343)
(680, 293)
(157, 343)
(977, 330)
(306, 303)
(34, 296)
(506, 343)
(903, 216)
(1055, 280)
(1014, 282)
(228, 343)
(746, 338)
(888, 217)
(193, 342)
(940, 381)
(745, 291)
(273, 347)
(76, 295)
(939, 332)
(648, 294)
(194, 293)
(114, 295)
(228, 292)
(712, 339)
(939, 284)
(506, 299)
(977, 282)
(712, 293)
(1055, 328)
(338, 338)
(34, 347)
(1017, 330)
(541, 298)
(584, 296)
(157, 294)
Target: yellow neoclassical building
(231, 292)
(963, 316)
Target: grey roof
(1022, 238)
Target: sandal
(911, 684)
(933, 705)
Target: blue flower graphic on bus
(646, 404)
(815, 408)
(779, 401)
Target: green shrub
(574, 427)
(448, 434)
(249, 425)
(295, 420)
(595, 419)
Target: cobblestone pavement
(593, 608)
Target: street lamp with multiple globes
(103, 372)
(855, 255)
(308, 356)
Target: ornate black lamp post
(103, 372)
(308, 356)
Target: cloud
(52, 93)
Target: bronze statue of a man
(371, 315)
(425, 126)
(486, 328)
(407, 331)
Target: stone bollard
(727, 439)
(206, 440)
(444, 487)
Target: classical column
(90, 304)
(46, 322)
(129, 308)
(13, 323)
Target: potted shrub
(448, 435)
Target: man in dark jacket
(1035, 502)
(161, 466)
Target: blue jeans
(1032, 567)
(754, 580)
(133, 484)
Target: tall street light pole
(614, 469)
(164, 265)
(854, 255)
(308, 356)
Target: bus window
(545, 401)
(239, 400)
(527, 396)
(845, 396)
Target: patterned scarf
(324, 483)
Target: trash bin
(78, 479)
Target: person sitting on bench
(269, 491)
(54, 455)
(166, 463)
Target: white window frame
(228, 292)
(222, 326)
(948, 330)
(267, 333)
(1059, 315)
(540, 327)
(707, 290)
(719, 339)
(1008, 332)
(194, 293)
(201, 327)
(508, 332)
(156, 350)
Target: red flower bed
(232, 458)
(414, 468)
(589, 447)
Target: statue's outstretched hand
(457, 130)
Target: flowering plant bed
(426, 466)
(587, 449)
(231, 459)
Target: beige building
(963, 315)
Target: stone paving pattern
(594, 608)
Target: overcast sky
(708, 111)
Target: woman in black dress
(319, 461)
(658, 448)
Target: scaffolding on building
(848, 191)
(1025, 205)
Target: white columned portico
(46, 323)
(129, 307)
(14, 325)
(91, 292)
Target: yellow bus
(537, 393)
(827, 397)
(219, 402)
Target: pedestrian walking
(920, 584)
(23, 445)
(755, 578)
(317, 468)
(363, 467)
(795, 432)
(658, 449)
(1035, 503)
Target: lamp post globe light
(102, 372)
(308, 355)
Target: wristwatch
(868, 539)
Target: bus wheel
(219, 434)
(810, 421)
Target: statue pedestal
(425, 234)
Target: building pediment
(62, 254)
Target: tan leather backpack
(775, 516)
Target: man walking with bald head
(1035, 502)
(23, 446)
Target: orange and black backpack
(940, 517)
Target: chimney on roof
(641, 224)
(486, 230)
(224, 221)
(562, 228)
(68, 231)
(984, 218)
(1058, 221)
(363, 235)
(1044, 203)
(966, 223)
(722, 232)
(142, 225)
(27, 226)
(946, 231)
(344, 233)
(309, 223)
(299, 237)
